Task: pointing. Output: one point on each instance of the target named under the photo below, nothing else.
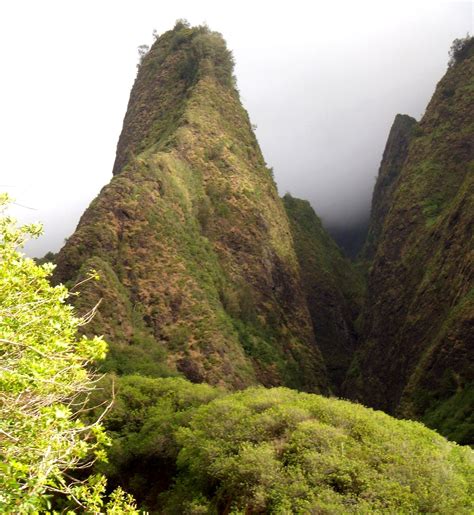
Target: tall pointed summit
(192, 243)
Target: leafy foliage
(461, 49)
(184, 448)
(44, 383)
(142, 423)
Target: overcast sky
(321, 80)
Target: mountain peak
(395, 153)
(199, 272)
(174, 64)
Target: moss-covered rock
(394, 156)
(191, 236)
(419, 315)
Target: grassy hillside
(333, 286)
(192, 242)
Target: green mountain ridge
(394, 157)
(216, 296)
(418, 319)
(199, 273)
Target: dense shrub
(143, 422)
(188, 448)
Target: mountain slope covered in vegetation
(192, 243)
(333, 286)
(418, 329)
(394, 156)
(206, 273)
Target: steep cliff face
(192, 242)
(333, 286)
(418, 351)
(393, 158)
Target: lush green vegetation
(461, 49)
(199, 277)
(184, 448)
(189, 448)
(45, 384)
(450, 409)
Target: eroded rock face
(190, 236)
(418, 335)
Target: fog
(321, 80)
